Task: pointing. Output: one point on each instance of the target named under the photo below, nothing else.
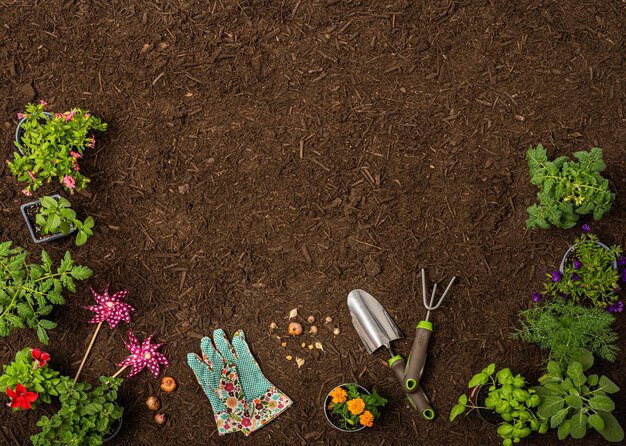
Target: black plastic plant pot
(570, 255)
(334, 420)
(19, 131)
(29, 211)
(477, 397)
(116, 427)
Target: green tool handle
(417, 398)
(417, 357)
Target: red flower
(20, 397)
(229, 387)
(41, 358)
(246, 422)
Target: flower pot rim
(31, 228)
(562, 266)
(327, 412)
(19, 127)
(475, 391)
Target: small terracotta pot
(328, 414)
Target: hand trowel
(377, 329)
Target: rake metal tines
(429, 304)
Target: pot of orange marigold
(351, 407)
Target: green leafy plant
(52, 147)
(30, 368)
(563, 328)
(85, 418)
(567, 189)
(574, 402)
(510, 399)
(28, 292)
(588, 275)
(351, 409)
(58, 217)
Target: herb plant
(567, 189)
(57, 216)
(30, 369)
(351, 409)
(85, 418)
(28, 292)
(53, 146)
(509, 397)
(589, 275)
(563, 328)
(574, 402)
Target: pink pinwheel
(110, 309)
(142, 355)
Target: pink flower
(76, 154)
(27, 193)
(32, 175)
(87, 116)
(42, 102)
(229, 387)
(92, 144)
(76, 167)
(21, 116)
(58, 115)
(69, 116)
(245, 422)
(69, 182)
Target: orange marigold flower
(339, 395)
(356, 406)
(367, 419)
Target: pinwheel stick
(119, 372)
(82, 364)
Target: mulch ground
(268, 155)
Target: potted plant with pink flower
(50, 146)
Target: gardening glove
(265, 401)
(220, 382)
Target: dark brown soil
(268, 155)
(31, 213)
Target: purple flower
(536, 297)
(586, 228)
(621, 261)
(616, 308)
(575, 277)
(577, 264)
(624, 275)
(557, 276)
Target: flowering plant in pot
(567, 189)
(589, 273)
(49, 146)
(574, 402)
(28, 292)
(29, 380)
(52, 217)
(87, 416)
(350, 407)
(503, 399)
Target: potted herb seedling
(29, 380)
(88, 416)
(589, 273)
(503, 399)
(574, 402)
(563, 327)
(351, 408)
(28, 292)
(49, 147)
(50, 218)
(567, 189)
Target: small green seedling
(58, 217)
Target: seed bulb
(311, 319)
(336, 331)
(313, 329)
(328, 319)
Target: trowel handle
(417, 357)
(417, 398)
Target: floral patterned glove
(265, 401)
(220, 382)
